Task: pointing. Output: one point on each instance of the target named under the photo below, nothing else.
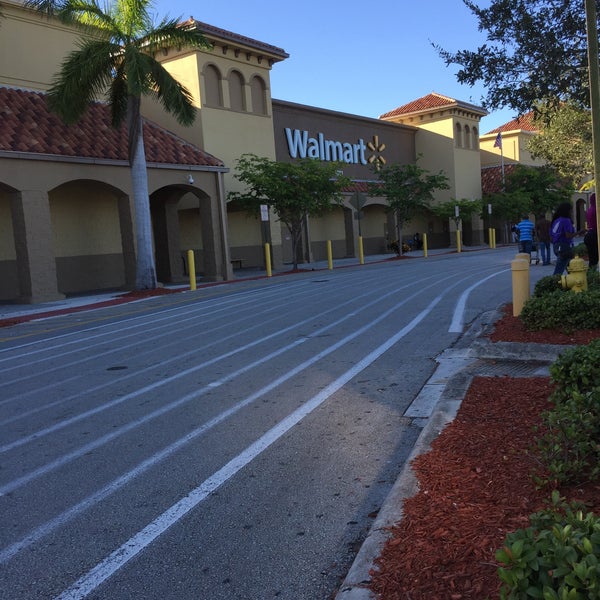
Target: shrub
(564, 312)
(568, 446)
(580, 250)
(556, 558)
(547, 285)
(576, 370)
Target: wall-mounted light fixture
(190, 179)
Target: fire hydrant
(576, 280)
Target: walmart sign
(302, 146)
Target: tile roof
(28, 126)
(210, 31)
(491, 178)
(522, 123)
(431, 102)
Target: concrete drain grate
(490, 368)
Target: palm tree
(118, 62)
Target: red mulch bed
(474, 488)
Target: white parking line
(115, 561)
(457, 324)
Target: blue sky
(355, 57)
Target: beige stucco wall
(221, 131)
(32, 47)
(190, 230)
(514, 149)
(85, 220)
(329, 226)
(7, 240)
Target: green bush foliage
(547, 285)
(580, 250)
(556, 558)
(569, 445)
(562, 311)
(551, 283)
(577, 370)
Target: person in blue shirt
(525, 229)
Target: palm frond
(88, 13)
(133, 17)
(174, 97)
(48, 7)
(85, 76)
(170, 34)
(118, 97)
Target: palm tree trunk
(145, 277)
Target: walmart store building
(66, 207)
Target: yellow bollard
(490, 238)
(458, 247)
(520, 283)
(191, 269)
(361, 254)
(329, 256)
(268, 259)
(494, 236)
(425, 245)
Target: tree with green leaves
(565, 141)
(117, 64)
(534, 50)
(408, 189)
(541, 187)
(294, 190)
(528, 190)
(466, 210)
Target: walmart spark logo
(376, 148)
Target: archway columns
(34, 247)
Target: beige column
(34, 246)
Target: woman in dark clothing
(562, 233)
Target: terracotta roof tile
(491, 178)
(523, 123)
(429, 102)
(27, 125)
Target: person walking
(562, 233)
(591, 235)
(542, 234)
(525, 229)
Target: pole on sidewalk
(520, 282)
(191, 269)
(268, 259)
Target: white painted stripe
(63, 460)
(115, 561)
(33, 536)
(457, 324)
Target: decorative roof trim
(215, 33)
(432, 103)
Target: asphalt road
(230, 443)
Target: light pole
(592, 41)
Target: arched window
(458, 136)
(236, 91)
(475, 138)
(212, 85)
(259, 95)
(467, 137)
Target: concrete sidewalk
(11, 312)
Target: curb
(474, 344)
